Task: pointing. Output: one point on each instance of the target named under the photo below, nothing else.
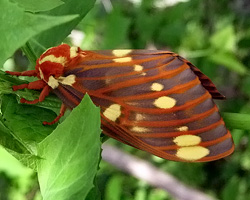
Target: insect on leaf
(153, 100)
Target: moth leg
(62, 111)
(45, 92)
(39, 84)
(25, 73)
(36, 85)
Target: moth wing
(153, 100)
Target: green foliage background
(213, 35)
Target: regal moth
(153, 100)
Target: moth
(153, 100)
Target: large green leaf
(21, 128)
(38, 5)
(56, 35)
(18, 26)
(24, 123)
(70, 155)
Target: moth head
(53, 61)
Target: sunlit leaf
(70, 155)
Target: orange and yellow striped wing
(155, 101)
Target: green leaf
(158, 194)
(70, 155)
(20, 126)
(244, 42)
(237, 120)
(114, 188)
(245, 85)
(228, 60)
(146, 26)
(171, 34)
(17, 27)
(224, 39)
(21, 129)
(195, 42)
(231, 189)
(56, 35)
(141, 192)
(7, 81)
(24, 123)
(8, 140)
(37, 5)
(116, 30)
(94, 193)
(12, 166)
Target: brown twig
(145, 171)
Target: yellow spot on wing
(187, 140)
(73, 52)
(182, 128)
(139, 129)
(138, 68)
(121, 60)
(156, 87)
(139, 117)
(68, 80)
(165, 102)
(53, 82)
(121, 52)
(61, 60)
(113, 112)
(192, 153)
